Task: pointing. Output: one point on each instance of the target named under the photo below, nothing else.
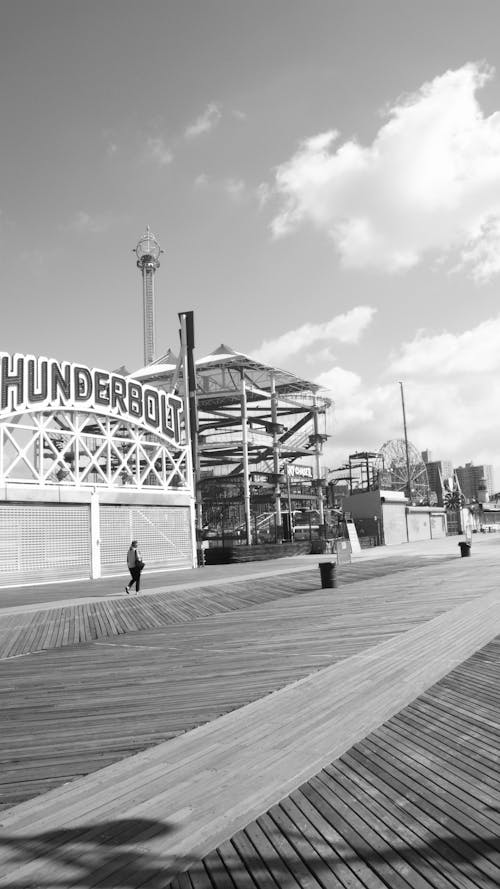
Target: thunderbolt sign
(34, 384)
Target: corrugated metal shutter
(418, 526)
(43, 542)
(163, 532)
(438, 526)
(394, 523)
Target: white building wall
(52, 534)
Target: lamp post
(408, 486)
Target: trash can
(328, 571)
(464, 548)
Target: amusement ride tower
(148, 252)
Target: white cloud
(85, 222)
(324, 356)
(235, 188)
(358, 408)
(452, 397)
(346, 328)
(428, 184)
(156, 150)
(474, 352)
(205, 122)
(264, 194)
(111, 142)
(482, 254)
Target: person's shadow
(110, 854)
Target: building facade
(89, 460)
(391, 519)
(437, 472)
(470, 478)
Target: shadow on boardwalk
(107, 855)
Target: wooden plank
(438, 842)
(259, 847)
(94, 694)
(311, 725)
(324, 839)
(404, 844)
(301, 652)
(378, 811)
(365, 840)
(165, 608)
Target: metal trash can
(328, 571)
(465, 548)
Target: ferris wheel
(391, 469)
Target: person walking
(135, 566)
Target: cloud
(346, 328)
(429, 184)
(452, 393)
(324, 355)
(157, 151)
(110, 140)
(85, 222)
(234, 188)
(474, 353)
(205, 122)
(201, 181)
(264, 194)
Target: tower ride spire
(148, 253)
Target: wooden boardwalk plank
(369, 647)
(385, 814)
(246, 760)
(162, 609)
(124, 694)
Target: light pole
(408, 487)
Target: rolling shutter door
(418, 526)
(43, 542)
(163, 532)
(394, 523)
(438, 525)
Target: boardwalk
(28, 629)
(340, 663)
(413, 804)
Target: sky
(323, 177)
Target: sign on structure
(89, 460)
(63, 423)
(297, 472)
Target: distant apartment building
(470, 478)
(437, 472)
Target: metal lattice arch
(83, 449)
(392, 471)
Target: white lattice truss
(85, 449)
